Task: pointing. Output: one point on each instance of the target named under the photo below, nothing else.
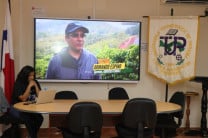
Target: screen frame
(88, 80)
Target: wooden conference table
(108, 106)
(111, 109)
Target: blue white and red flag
(7, 57)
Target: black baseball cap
(73, 27)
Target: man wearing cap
(73, 62)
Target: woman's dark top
(19, 89)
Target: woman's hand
(33, 83)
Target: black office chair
(61, 95)
(66, 95)
(138, 119)
(84, 121)
(118, 93)
(167, 123)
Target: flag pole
(166, 88)
(166, 92)
(9, 5)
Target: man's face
(76, 40)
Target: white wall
(148, 86)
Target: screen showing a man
(78, 50)
(73, 62)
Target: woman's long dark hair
(24, 74)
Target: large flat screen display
(74, 50)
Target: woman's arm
(37, 87)
(26, 93)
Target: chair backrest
(118, 93)
(85, 118)
(66, 95)
(139, 113)
(178, 98)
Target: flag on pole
(7, 57)
(172, 47)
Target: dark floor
(106, 133)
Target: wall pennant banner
(172, 47)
